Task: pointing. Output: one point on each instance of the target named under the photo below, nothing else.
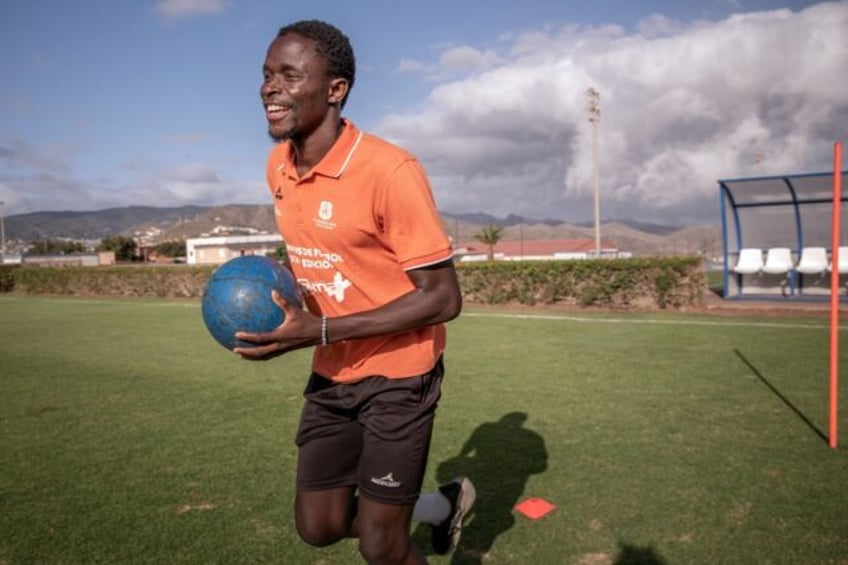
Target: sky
(156, 102)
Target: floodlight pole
(594, 109)
(2, 230)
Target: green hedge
(7, 277)
(119, 280)
(620, 283)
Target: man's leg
(327, 516)
(324, 517)
(384, 533)
(445, 511)
(329, 443)
(397, 421)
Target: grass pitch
(129, 436)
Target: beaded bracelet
(325, 338)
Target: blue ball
(237, 297)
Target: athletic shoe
(461, 495)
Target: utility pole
(594, 109)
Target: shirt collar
(335, 162)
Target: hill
(192, 221)
(178, 222)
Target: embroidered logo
(325, 215)
(387, 481)
(325, 210)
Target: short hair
(331, 44)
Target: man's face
(295, 89)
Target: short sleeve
(411, 224)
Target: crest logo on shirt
(325, 214)
(325, 211)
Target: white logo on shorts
(387, 481)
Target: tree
(174, 248)
(490, 236)
(55, 246)
(124, 247)
(280, 253)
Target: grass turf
(129, 436)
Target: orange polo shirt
(353, 226)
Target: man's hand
(299, 329)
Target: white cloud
(197, 183)
(411, 66)
(19, 154)
(682, 106)
(39, 188)
(453, 61)
(176, 9)
(194, 173)
(658, 25)
(468, 59)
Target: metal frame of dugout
(777, 232)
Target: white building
(220, 249)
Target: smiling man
(366, 243)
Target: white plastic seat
(813, 261)
(778, 261)
(750, 261)
(843, 261)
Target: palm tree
(489, 236)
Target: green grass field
(129, 436)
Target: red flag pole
(834, 294)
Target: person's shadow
(499, 458)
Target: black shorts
(373, 434)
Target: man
(365, 241)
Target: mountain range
(193, 221)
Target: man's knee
(379, 551)
(321, 529)
(324, 517)
(319, 533)
(384, 545)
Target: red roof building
(538, 250)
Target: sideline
(117, 301)
(637, 321)
(195, 303)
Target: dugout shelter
(777, 234)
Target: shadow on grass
(635, 555)
(783, 399)
(499, 457)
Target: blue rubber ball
(237, 297)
